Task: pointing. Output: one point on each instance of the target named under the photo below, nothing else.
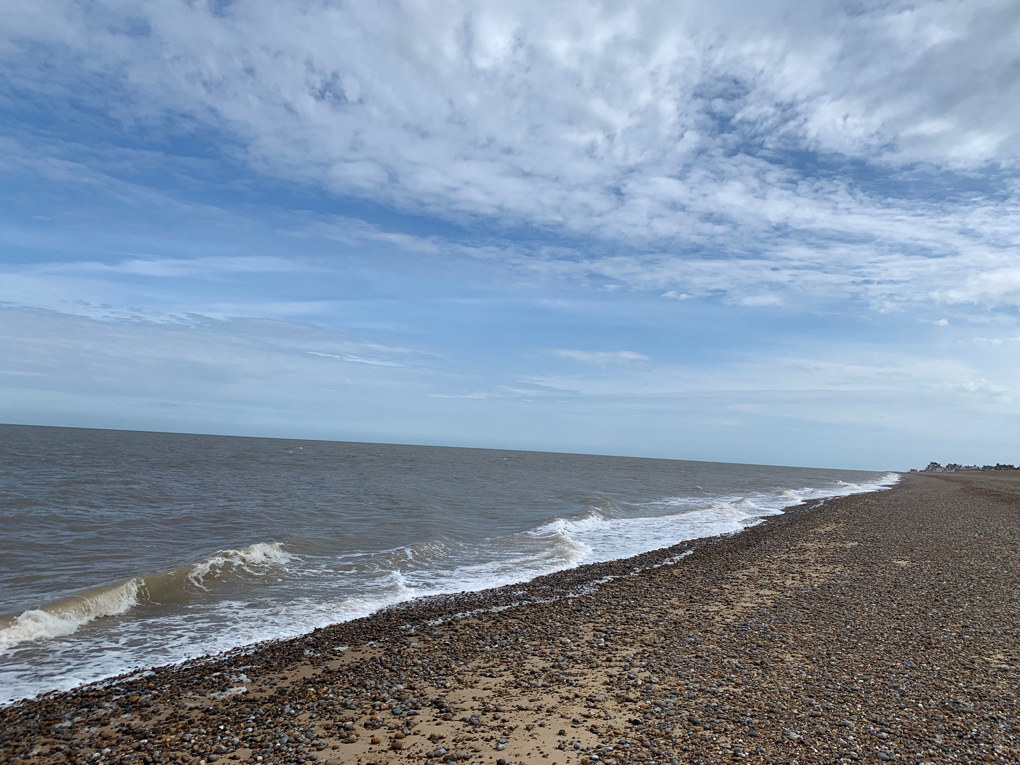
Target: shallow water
(122, 550)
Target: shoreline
(556, 585)
(633, 668)
(549, 585)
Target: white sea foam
(352, 584)
(253, 559)
(65, 617)
(609, 538)
(511, 561)
(395, 588)
(604, 539)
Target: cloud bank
(692, 182)
(865, 147)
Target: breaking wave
(67, 615)
(251, 560)
(234, 597)
(604, 535)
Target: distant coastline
(955, 467)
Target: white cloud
(662, 129)
(356, 359)
(179, 267)
(995, 341)
(803, 155)
(205, 360)
(759, 301)
(272, 377)
(602, 357)
(861, 371)
(354, 231)
(999, 287)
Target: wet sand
(881, 627)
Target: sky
(742, 231)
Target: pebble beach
(876, 627)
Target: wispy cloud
(870, 372)
(999, 287)
(237, 196)
(853, 154)
(178, 267)
(602, 357)
(356, 359)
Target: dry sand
(881, 627)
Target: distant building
(956, 467)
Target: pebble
(767, 644)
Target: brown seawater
(123, 550)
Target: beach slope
(878, 627)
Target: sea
(125, 550)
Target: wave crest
(258, 555)
(67, 615)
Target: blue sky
(740, 231)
